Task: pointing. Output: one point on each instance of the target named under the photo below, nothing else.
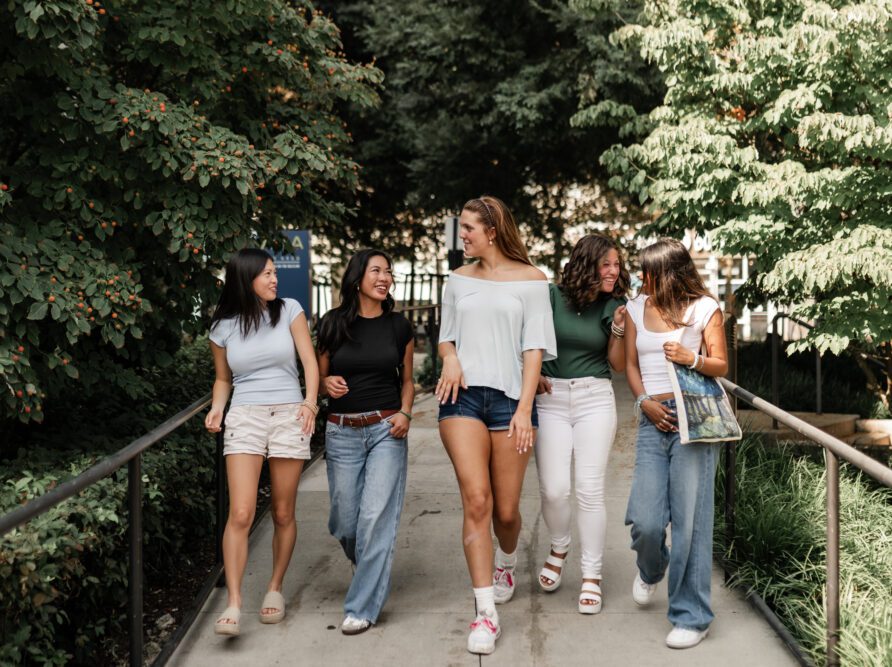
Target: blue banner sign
(293, 269)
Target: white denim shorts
(272, 431)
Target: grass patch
(780, 549)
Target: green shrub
(122, 201)
(780, 549)
(844, 388)
(63, 576)
(425, 376)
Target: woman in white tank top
(673, 319)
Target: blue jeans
(674, 483)
(366, 483)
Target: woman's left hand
(521, 429)
(619, 316)
(399, 425)
(677, 353)
(308, 419)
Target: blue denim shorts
(488, 405)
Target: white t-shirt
(492, 323)
(264, 365)
(651, 357)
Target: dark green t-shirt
(582, 337)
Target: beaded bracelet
(638, 401)
(406, 415)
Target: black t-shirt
(369, 364)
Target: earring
(490, 242)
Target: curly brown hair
(580, 279)
(671, 279)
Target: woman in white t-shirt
(673, 319)
(253, 336)
(496, 329)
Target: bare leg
(467, 442)
(243, 473)
(507, 468)
(284, 477)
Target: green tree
(774, 136)
(478, 97)
(140, 145)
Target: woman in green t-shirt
(577, 411)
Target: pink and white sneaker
(503, 584)
(484, 632)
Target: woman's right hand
(214, 421)
(335, 385)
(452, 378)
(544, 386)
(661, 416)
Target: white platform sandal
(551, 575)
(590, 600)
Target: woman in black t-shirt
(365, 360)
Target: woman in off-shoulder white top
(496, 329)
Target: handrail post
(818, 391)
(775, 381)
(220, 519)
(832, 596)
(730, 453)
(135, 575)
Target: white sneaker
(503, 584)
(685, 637)
(354, 626)
(484, 632)
(641, 592)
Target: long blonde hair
(494, 214)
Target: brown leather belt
(361, 420)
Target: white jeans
(576, 420)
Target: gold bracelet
(312, 407)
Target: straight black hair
(334, 328)
(238, 298)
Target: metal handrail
(834, 449)
(131, 455)
(775, 365)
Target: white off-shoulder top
(492, 323)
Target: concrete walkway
(425, 621)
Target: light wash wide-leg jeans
(366, 483)
(674, 483)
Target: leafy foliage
(64, 574)
(478, 97)
(774, 136)
(140, 145)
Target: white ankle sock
(486, 601)
(504, 560)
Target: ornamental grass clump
(779, 550)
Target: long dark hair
(495, 214)
(581, 280)
(334, 328)
(238, 298)
(671, 279)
